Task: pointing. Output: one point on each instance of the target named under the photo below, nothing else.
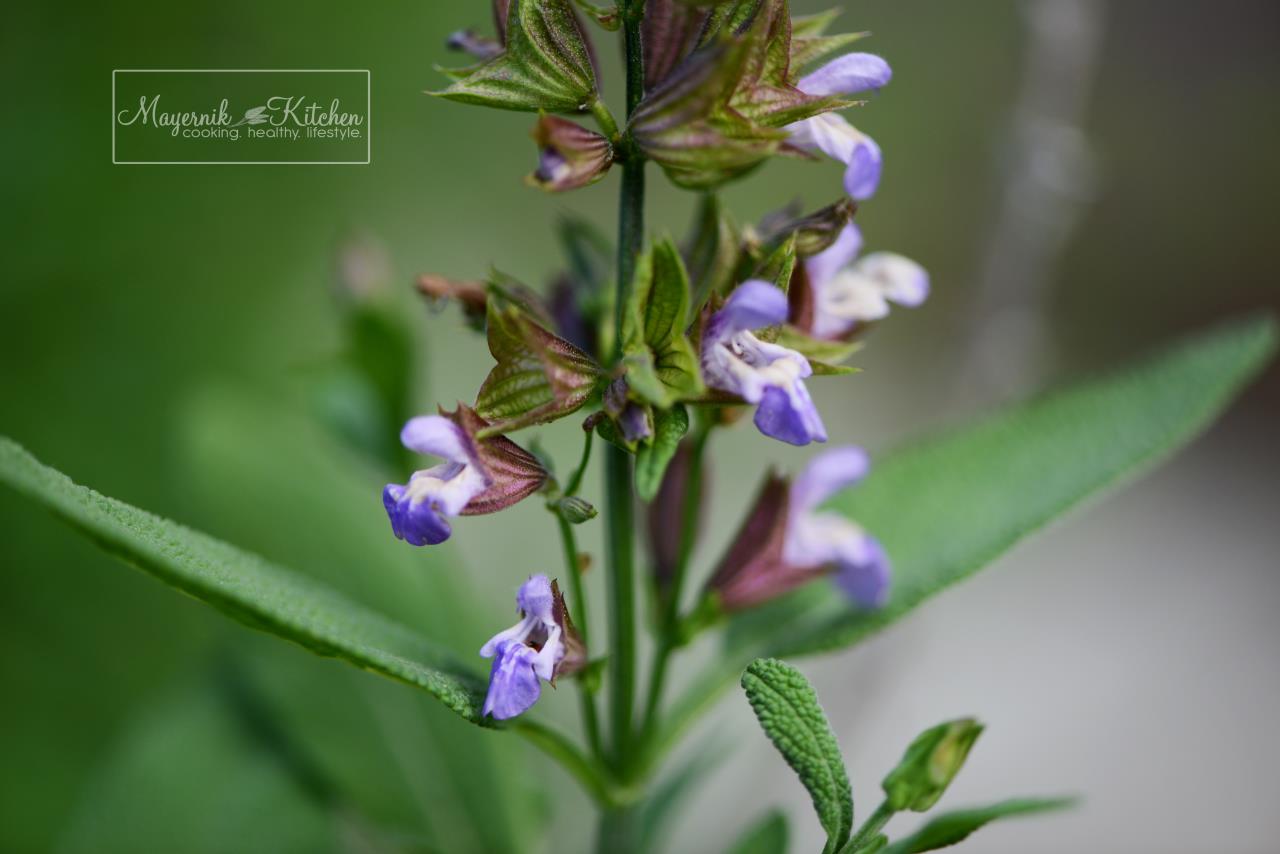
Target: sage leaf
(948, 506)
(653, 458)
(788, 711)
(930, 764)
(766, 836)
(248, 588)
(950, 828)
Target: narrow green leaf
(946, 507)
(788, 711)
(767, 836)
(930, 764)
(246, 587)
(652, 458)
(950, 828)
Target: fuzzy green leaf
(788, 711)
(950, 828)
(546, 64)
(652, 458)
(766, 836)
(979, 490)
(246, 587)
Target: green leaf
(653, 458)
(673, 794)
(187, 775)
(950, 828)
(538, 377)
(788, 711)
(830, 353)
(662, 366)
(248, 588)
(546, 64)
(931, 762)
(712, 250)
(767, 836)
(946, 507)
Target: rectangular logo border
(368, 76)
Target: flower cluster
(730, 318)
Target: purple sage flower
(830, 133)
(816, 538)
(537, 649)
(477, 476)
(786, 542)
(848, 290)
(768, 375)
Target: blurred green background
(1082, 179)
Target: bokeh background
(1083, 179)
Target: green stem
(576, 480)
(559, 748)
(869, 829)
(590, 720)
(669, 639)
(604, 118)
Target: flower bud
(814, 232)
(669, 32)
(470, 295)
(469, 41)
(575, 510)
(570, 155)
(667, 512)
(930, 764)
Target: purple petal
(862, 573)
(417, 523)
(902, 280)
(790, 418)
(534, 597)
(826, 474)
(513, 686)
(862, 175)
(753, 304)
(435, 435)
(823, 266)
(847, 75)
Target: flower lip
(847, 75)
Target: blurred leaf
(653, 458)
(929, 765)
(712, 250)
(767, 836)
(950, 828)
(788, 711)
(188, 777)
(672, 795)
(246, 587)
(946, 507)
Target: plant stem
(576, 481)
(590, 720)
(870, 828)
(571, 758)
(617, 832)
(670, 625)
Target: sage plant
(653, 348)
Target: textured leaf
(946, 507)
(788, 711)
(546, 64)
(539, 376)
(652, 458)
(246, 587)
(766, 836)
(950, 828)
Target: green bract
(546, 64)
(661, 363)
